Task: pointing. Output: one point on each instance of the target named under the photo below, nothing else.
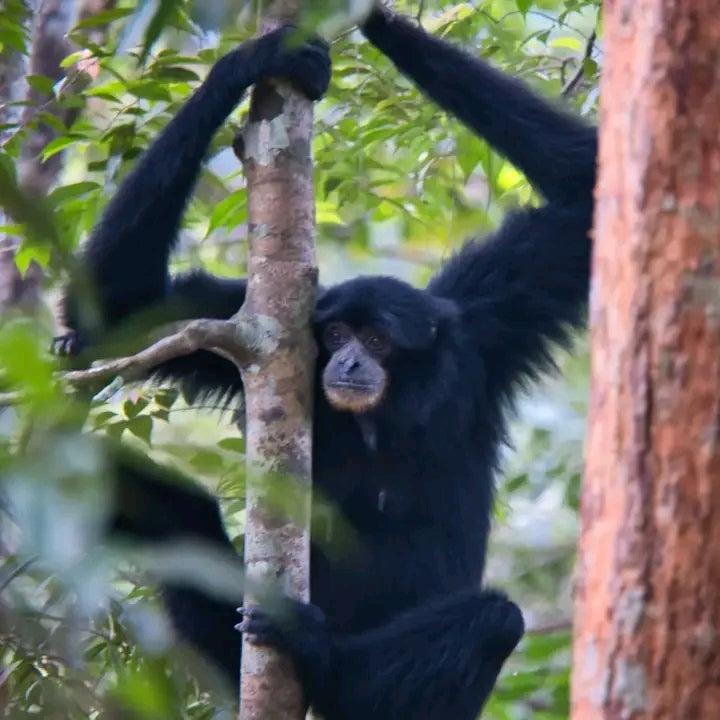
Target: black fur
(405, 632)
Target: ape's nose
(349, 365)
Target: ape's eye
(335, 335)
(377, 344)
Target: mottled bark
(282, 279)
(647, 626)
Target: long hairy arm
(125, 262)
(525, 287)
(522, 290)
(554, 149)
(126, 257)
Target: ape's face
(355, 377)
(379, 340)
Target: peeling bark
(282, 281)
(647, 624)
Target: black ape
(410, 392)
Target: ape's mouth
(359, 387)
(354, 396)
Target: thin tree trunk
(647, 625)
(49, 22)
(13, 68)
(282, 281)
(48, 48)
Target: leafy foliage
(398, 187)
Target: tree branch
(239, 340)
(575, 78)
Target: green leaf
(141, 427)
(234, 444)
(104, 17)
(102, 418)
(63, 193)
(173, 73)
(57, 145)
(148, 90)
(28, 253)
(132, 408)
(206, 461)
(160, 19)
(229, 212)
(41, 84)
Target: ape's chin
(354, 398)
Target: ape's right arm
(126, 259)
(156, 505)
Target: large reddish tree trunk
(647, 635)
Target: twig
(575, 78)
(14, 570)
(549, 628)
(10, 398)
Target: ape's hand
(295, 628)
(307, 66)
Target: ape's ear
(415, 325)
(443, 311)
(444, 308)
(323, 310)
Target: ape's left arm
(521, 289)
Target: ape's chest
(371, 491)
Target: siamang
(411, 392)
